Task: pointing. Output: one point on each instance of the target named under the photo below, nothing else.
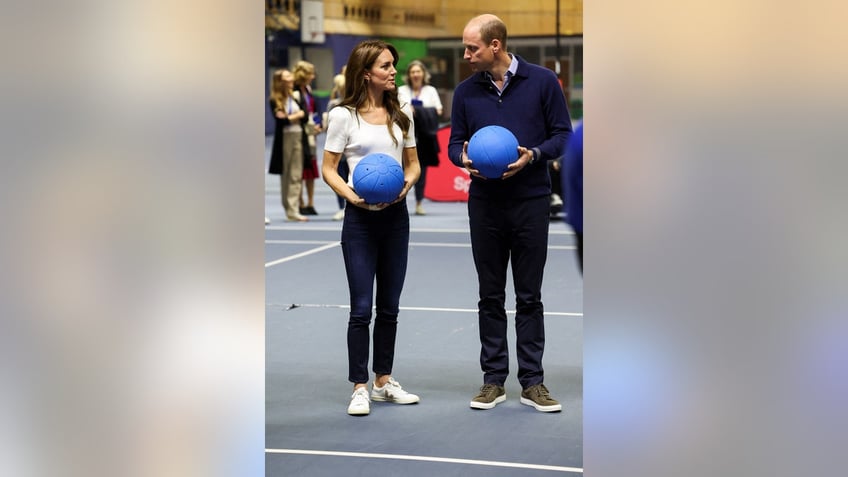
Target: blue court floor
(308, 432)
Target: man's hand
(524, 157)
(466, 162)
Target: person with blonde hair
(375, 237)
(427, 107)
(287, 147)
(304, 74)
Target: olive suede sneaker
(488, 397)
(539, 397)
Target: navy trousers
(375, 245)
(505, 231)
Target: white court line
(302, 254)
(337, 228)
(564, 231)
(576, 470)
(334, 244)
(474, 310)
(411, 244)
(324, 228)
(468, 245)
(296, 242)
(414, 308)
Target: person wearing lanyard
(286, 149)
(427, 108)
(509, 216)
(304, 74)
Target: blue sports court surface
(308, 431)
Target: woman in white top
(425, 99)
(336, 96)
(375, 237)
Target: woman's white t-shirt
(349, 134)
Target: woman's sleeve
(437, 101)
(338, 124)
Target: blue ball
(378, 178)
(491, 149)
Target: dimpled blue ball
(378, 178)
(491, 149)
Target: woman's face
(416, 75)
(382, 73)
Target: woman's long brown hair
(279, 94)
(361, 59)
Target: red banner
(446, 182)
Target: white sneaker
(392, 392)
(556, 200)
(339, 215)
(267, 221)
(360, 405)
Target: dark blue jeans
(516, 231)
(375, 245)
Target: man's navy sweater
(533, 107)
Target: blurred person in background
(427, 108)
(572, 187)
(287, 147)
(304, 74)
(554, 168)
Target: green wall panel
(408, 50)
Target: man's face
(478, 54)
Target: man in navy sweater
(509, 217)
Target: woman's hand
(403, 192)
(360, 202)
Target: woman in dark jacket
(428, 107)
(287, 149)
